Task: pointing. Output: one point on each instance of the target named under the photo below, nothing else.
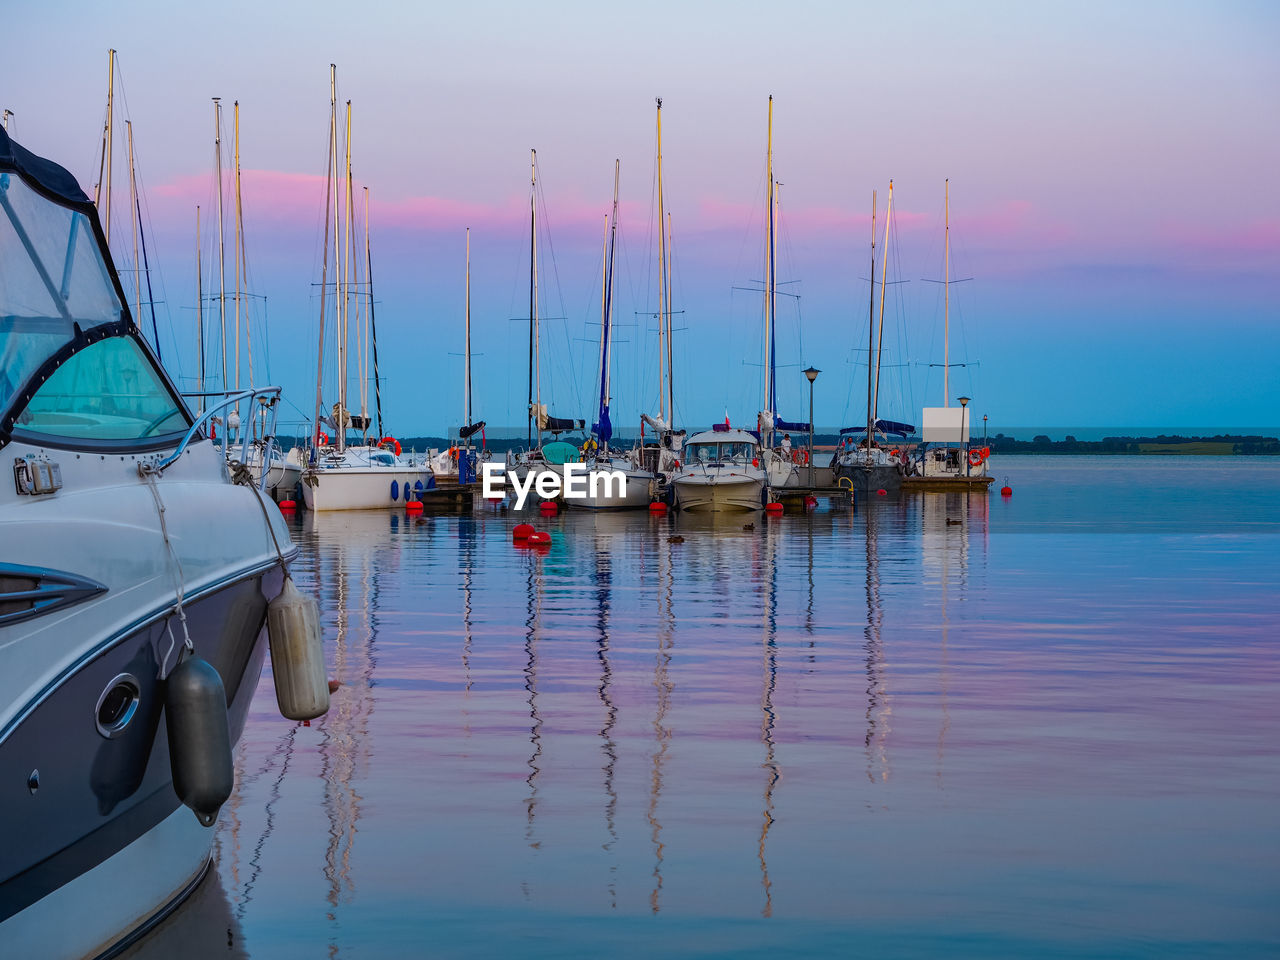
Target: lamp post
(984, 429)
(964, 437)
(812, 374)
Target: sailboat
(781, 468)
(457, 464)
(867, 466)
(364, 475)
(261, 453)
(661, 456)
(539, 457)
(947, 460)
(638, 483)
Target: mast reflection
(662, 733)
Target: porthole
(116, 706)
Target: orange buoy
(1006, 491)
(773, 506)
(549, 507)
(882, 492)
(287, 505)
(657, 507)
(522, 531)
(539, 539)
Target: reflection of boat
(721, 471)
(96, 846)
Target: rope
(150, 477)
(241, 474)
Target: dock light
(964, 405)
(812, 374)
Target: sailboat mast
(533, 282)
(324, 255)
(106, 192)
(946, 295)
(607, 394)
(466, 369)
(884, 276)
(871, 329)
(671, 372)
(604, 323)
(373, 320)
(146, 265)
(222, 250)
(199, 308)
(533, 295)
(770, 287)
(133, 215)
(344, 308)
(236, 150)
(663, 333)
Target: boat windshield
(53, 278)
(721, 452)
(70, 369)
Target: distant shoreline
(1220, 445)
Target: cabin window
(107, 392)
(53, 279)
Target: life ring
(324, 438)
(394, 443)
(975, 457)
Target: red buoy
(522, 531)
(287, 505)
(549, 508)
(657, 507)
(413, 506)
(1006, 491)
(882, 492)
(773, 506)
(539, 539)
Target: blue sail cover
(603, 429)
(789, 427)
(890, 428)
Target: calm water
(1048, 729)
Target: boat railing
(268, 400)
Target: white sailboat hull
(636, 494)
(361, 488)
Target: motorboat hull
(719, 494)
(104, 837)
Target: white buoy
(297, 654)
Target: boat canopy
(559, 453)
(788, 427)
(60, 297)
(890, 428)
(470, 429)
(720, 435)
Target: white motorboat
(123, 540)
(721, 471)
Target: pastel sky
(1112, 167)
